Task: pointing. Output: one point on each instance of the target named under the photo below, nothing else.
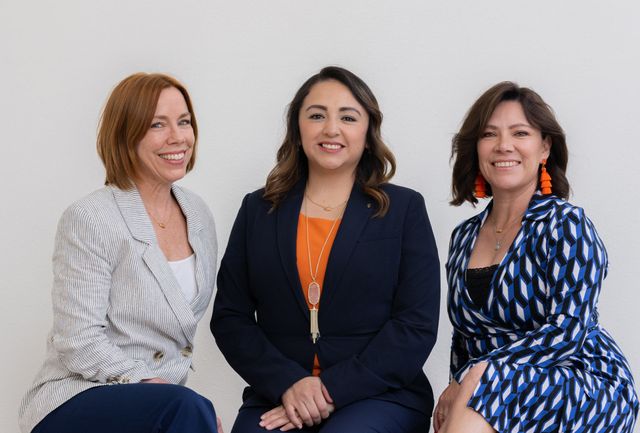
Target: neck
(509, 206)
(154, 196)
(330, 189)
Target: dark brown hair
(465, 143)
(376, 166)
(125, 120)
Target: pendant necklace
(323, 207)
(162, 225)
(497, 231)
(313, 290)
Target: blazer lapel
(356, 215)
(203, 258)
(287, 215)
(136, 218)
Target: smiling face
(333, 128)
(510, 150)
(166, 148)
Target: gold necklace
(497, 231)
(324, 208)
(313, 290)
(162, 225)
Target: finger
(274, 413)
(287, 427)
(325, 393)
(293, 415)
(322, 406)
(277, 422)
(303, 413)
(314, 412)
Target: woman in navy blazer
(378, 311)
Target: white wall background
(242, 61)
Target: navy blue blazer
(378, 313)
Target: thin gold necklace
(497, 231)
(313, 290)
(162, 225)
(324, 208)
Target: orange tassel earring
(545, 179)
(481, 188)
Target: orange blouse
(318, 231)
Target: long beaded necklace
(313, 290)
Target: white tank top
(185, 272)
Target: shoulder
(554, 211)
(400, 192)
(96, 205)
(191, 198)
(403, 198)
(255, 201)
(194, 206)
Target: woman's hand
(307, 401)
(276, 418)
(444, 404)
(154, 380)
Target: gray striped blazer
(119, 315)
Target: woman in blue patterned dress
(528, 353)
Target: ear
(546, 147)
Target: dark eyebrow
(322, 107)
(516, 125)
(350, 109)
(316, 106)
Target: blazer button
(158, 355)
(187, 351)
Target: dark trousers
(132, 408)
(365, 416)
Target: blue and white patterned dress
(551, 366)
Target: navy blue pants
(365, 416)
(132, 408)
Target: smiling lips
(331, 146)
(505, 164)
(173, 156)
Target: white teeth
(173, 156)
(331, 146)
(503, 164)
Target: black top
(478, 281)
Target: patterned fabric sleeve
(459, 354)
(576, 266)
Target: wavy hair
(464, 145)
(376, 166)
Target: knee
(183, 396)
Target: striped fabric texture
(119, 315)
(551, 366)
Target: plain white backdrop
(242, 61)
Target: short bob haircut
(376, 166)
(125, 120)
(465, 143)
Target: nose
(175, 135)
(331, 128)
(503, 143)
